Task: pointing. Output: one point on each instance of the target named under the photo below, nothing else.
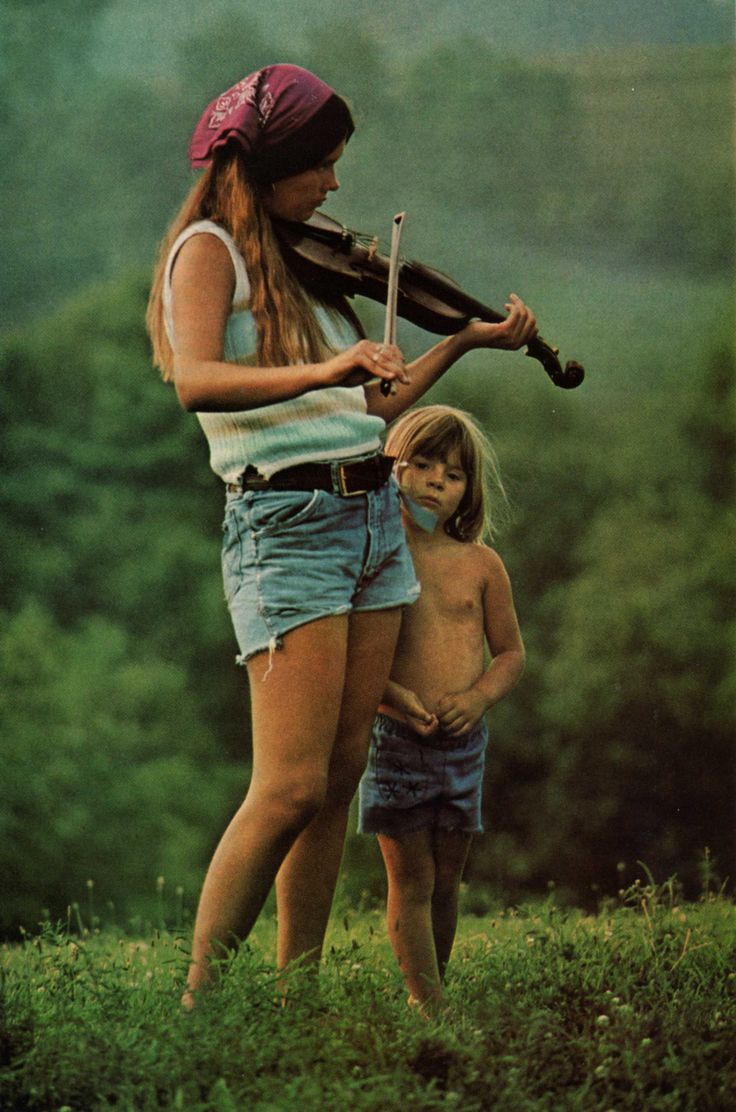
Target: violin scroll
(567, 377)
(572, 375)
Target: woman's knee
(290, 805)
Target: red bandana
(283, 117)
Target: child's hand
(425, 727)
(458, 713)
(420, 719)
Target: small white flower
(602, 1021)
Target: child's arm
(404, 700)
(459, 712)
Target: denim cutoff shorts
(412, 782)
(289, 557)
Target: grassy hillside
(630, 1009)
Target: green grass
(633, 1008)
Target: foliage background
(582, 156)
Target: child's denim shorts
(413, 782)
(289, 557)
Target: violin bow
(392, 292)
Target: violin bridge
(372, 249)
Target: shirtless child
(421, 791)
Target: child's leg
(451, 849)
(410, 867)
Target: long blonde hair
(437, 430)
(287, 328)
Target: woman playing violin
(316, 569)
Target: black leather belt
(344, 477)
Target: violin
(332, 259)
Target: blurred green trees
(119, 705)
(600, 187)
(109, 773)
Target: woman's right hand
(364, 361)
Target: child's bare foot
(430, 1008)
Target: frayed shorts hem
(276, 642)
(403, 601)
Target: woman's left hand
(517, 330)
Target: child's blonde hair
(437, 430)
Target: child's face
(438, 484)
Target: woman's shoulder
(206, 243)
(203, 227)
(204, 235)
(202, 260)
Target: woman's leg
(451, 849)
(410, 867)
(306, 882)
(295, 699)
